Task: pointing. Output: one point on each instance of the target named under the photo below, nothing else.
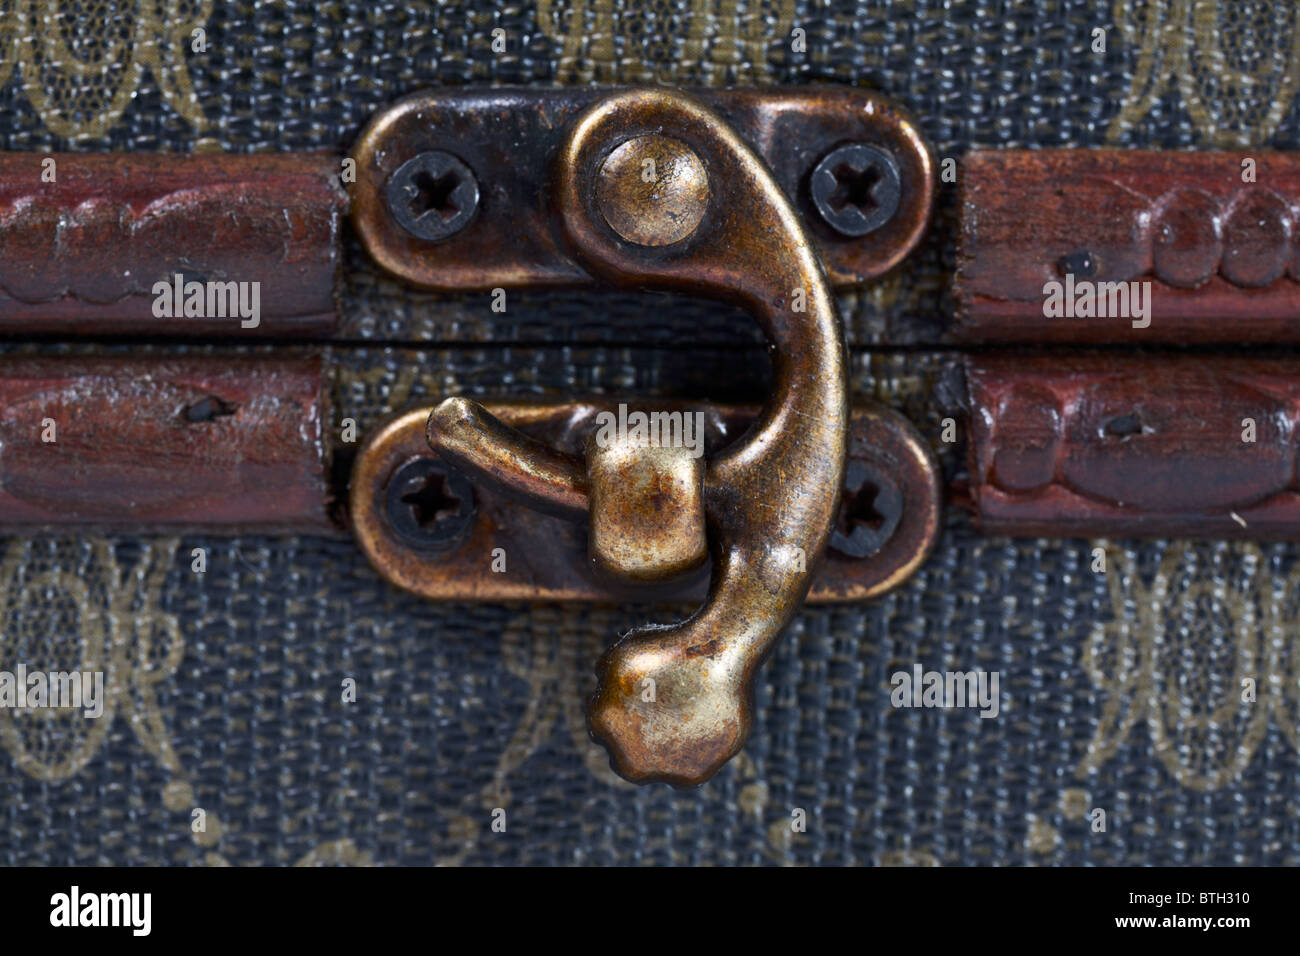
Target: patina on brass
(547, 543)
(652, 190)
(675, 702)
(647, 509)
(504, 136)
(482, 446)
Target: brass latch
(657, 189)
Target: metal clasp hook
(653, 189)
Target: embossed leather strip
(133, 444)
(1209, 239)
(86, 240)
(1170, 445)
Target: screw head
(653, 190)
(429, 506)
(872, 509)
(856, 188)
(433, 195)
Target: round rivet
(653, 190)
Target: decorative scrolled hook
(654, 190)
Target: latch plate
(478, 162)
(511, 552)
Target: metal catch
(652, 188)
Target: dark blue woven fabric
(230, 682)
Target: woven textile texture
(1121, 692)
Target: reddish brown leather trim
(1176, 445)
(81, 255)
(1219, 254)
(134, 444)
